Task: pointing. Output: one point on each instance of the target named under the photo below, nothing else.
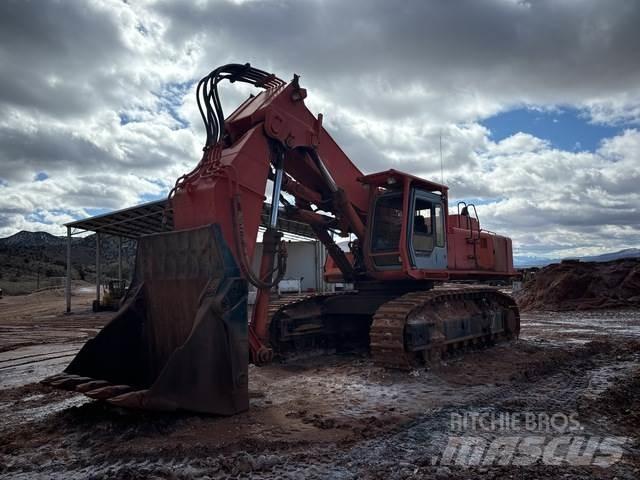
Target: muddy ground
(576, 376)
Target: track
(297, 319)
(433, 309)
(449, 317)
(285, 301)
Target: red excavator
(181, 339)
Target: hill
(32, 260)
(24, 239)
(522, 261)
(608, 257)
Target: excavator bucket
(179, 340)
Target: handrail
(477, 220)
(461, 203)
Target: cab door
(426, 231)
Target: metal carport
(145, 219)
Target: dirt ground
(339, 416)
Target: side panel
(490, 254)
(485, 251)
(460, 250)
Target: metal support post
(120, 261)
(98, 268)
(67, 290)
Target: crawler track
(297, 319)
(275, 305)
(416, 326)
(479, 314)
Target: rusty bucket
(179, 340)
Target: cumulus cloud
(562, 203)
(98, 97)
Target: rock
(443, 473)
(244, 463)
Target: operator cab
(408, 224)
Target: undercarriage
(399, 329)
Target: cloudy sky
(537, 103)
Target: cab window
(439, 225)
(387, 224)
(423, 237)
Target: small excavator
(112, 292)
(182, 338)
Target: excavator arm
(270, 136)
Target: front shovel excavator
(180, 339)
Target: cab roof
(383, 179)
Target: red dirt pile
(573, 285)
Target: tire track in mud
(393, 450)
(36, 358)
(416, 448)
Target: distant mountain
(31, 260)
(52, 245)
(526, 261)
(606, 257)
(31, 239)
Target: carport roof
(157, 216)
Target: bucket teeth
(107, 392)
(53, 378)
(68, 382)
(141, 399)
(135, 399)
(92, 385)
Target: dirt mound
(573, 285)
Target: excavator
(182, 339)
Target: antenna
(441, 163)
